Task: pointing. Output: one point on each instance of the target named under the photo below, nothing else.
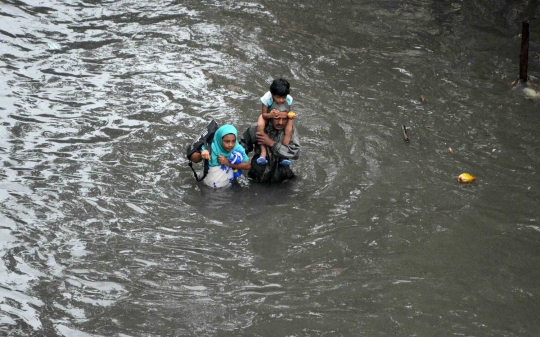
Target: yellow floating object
(466, 178)
(291, 115)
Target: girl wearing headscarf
(225, 144)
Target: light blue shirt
(267, 99)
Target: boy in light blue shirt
(279, 94)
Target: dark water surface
(104, 232)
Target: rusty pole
(524, 54)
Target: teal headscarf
(217, 147)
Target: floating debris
(405, 135)
(52, 45)
(424, 99)
(531, 93)
(466, 178)
(451, 151)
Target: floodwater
(104, 231)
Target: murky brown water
(104, 232)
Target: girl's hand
(205, 154)
(223, 161)
(274, 113)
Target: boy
(279, 94)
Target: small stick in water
(405, 135)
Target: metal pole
(524, 54)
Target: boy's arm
(264, 112)
(266, 101)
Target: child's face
(228, 142)
(279, 99)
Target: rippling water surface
(104, 232)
